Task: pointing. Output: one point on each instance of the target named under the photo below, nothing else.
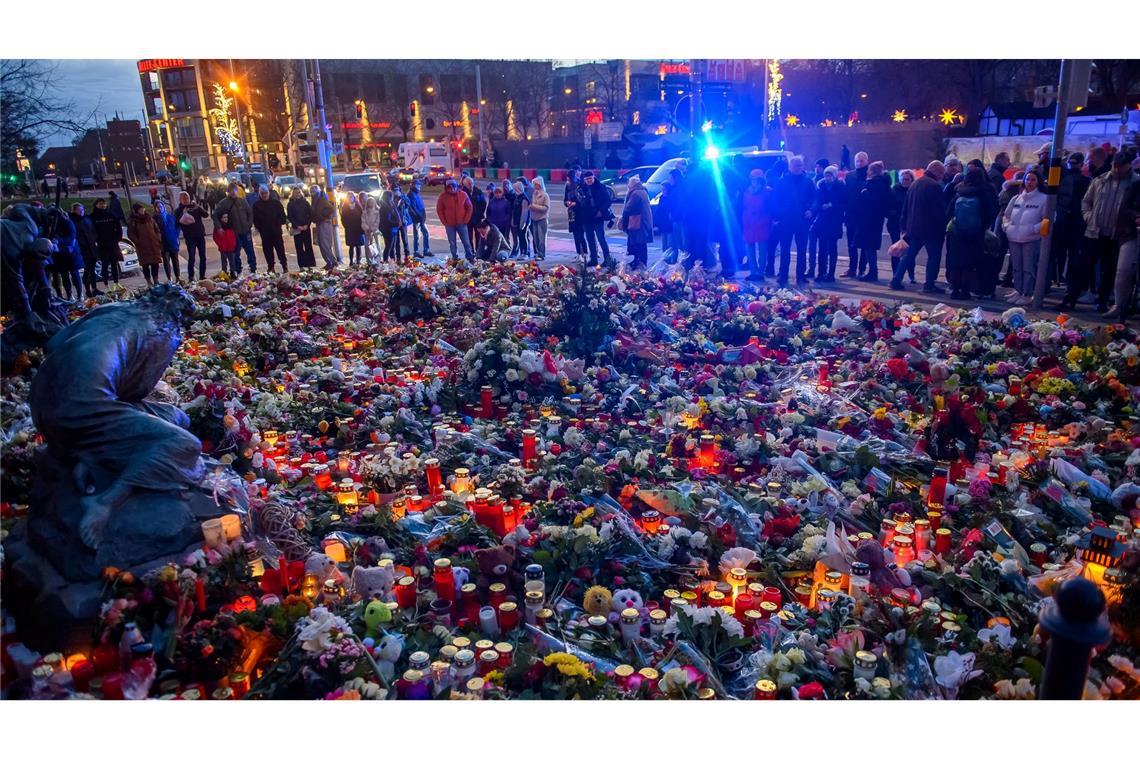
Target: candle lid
(508, 607)
(504, 647)
(534, 596)
(629, 614)
(489, 655)
(442, 563)
(464, 657)
(623, 671)
(596, 621)
(406, 580)
(754, 615)
(413, 676)
(706, 692)
(765, 686)
(833, 576)
(649, 673)
(475, 684)
(483, 644)
(467, 588)
(498, 588)
(224, 692)
(658, 616)
(866, 658)
(769, 607)
(860, 569)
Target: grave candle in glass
(485, 402)
(497, 593)
(488, 661)
(752, 620)
(545, 618)
(231, 527)
(413, 686)
(488, 621)
(942, 541)
(212, 532)
(343, 462)
(657, 620)
(434, 482)
(923, 536)
(650, 678)
(650, 520)
(708, 451)
(444, 578)
(630, 620)
(860, 581)
(903, 548)
(768, 610)
(743, 604)
(506, 654)
(737, 579)
(269, 438)
(667, 597)
(865, 665)
(529, 447)
(533, 602)
(715, 598)
(469, 602)
(622, 676)
(534, 572)
(322, 478)
(406, 592)
(461, 483)
(937, 492)
(398, 508)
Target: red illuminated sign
(372, 124)
(154, 64)
(675, 68)
(595, 117)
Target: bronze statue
(89, 401)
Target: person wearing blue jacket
(169, 226)
(66, 259)
(418, 216)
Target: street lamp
(568, 91)
(429, 89)
(233, 86)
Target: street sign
(337, 148)
(588, 139)
(610, 131)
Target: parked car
(368, 182)
(87, 182)
(130, 263)
(437, 175)
(620, 185)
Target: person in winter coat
(1101, 247)
(88, 248)
(575, 221)
(370, 222)
(400, 201)
(268, 218)
(539, 213)
(1070, 225)
(854, 182)
(115, 206)
(170, 230)
(829, 211)
(794, 196)
(499, 210)
(145, 233)
(895, 214)
(419, 221)
(871, 207)
(108, 233)
(520, 221)
(755, 224)
(351, 216)
(490, 244)
(923, 226)
(241, 222)
(454, 210)
(995, 175)
(1127, 229)
(593, 211)
(66, 259)
(189, 217)
(478, 200)
(664, 215)
(637, 223)
(226, 240)
(972, 214)
(1022, 224)
(300, 216)
(324, 216)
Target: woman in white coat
(370, 222)
(539, 211)
(1022, 223)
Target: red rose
(813, 690)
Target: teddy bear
(324, 567)
(874, 556)
(597, 600)
(371, 582)
(387, 654)
(496, 565)
(624, 598)
(368, 553)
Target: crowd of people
(980, 220)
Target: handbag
(898, 248)
(186, 219)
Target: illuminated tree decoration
(899, 116)
(948, 116)
(827, 123)
(775, 89)
(225, 126)
(791, 120)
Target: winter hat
(518, 186)
(756, 174)
(1076, 158)
(833, 170)
(587, 174)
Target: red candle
(508, 616)
(529, 447)
(942, 541)
(105, 658)
(743, 602)
(283, 572)
(444, 580)
(498, 593)
(771, 594)
(200, 593)
(406, 592)
(434, 481)
(113, 686)
(485, 401)
(82, 673)
(937, 493)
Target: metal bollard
(1076, 622)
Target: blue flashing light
(712, 152)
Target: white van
(421, 155)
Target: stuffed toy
(597, 601)
(372, 582)
(496, 565)
(881, 575)
(324, 567)
(387, 653)
(368, 553)
(622, 599)
(462, 576)
(376, 614)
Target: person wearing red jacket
(454, 211)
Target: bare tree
(609, 90)
(32, 109)
(1115, 80)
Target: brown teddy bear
(496, 565)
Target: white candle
(231, 527)
(212, 532)
(488, 621)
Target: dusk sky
(103, 85)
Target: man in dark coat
(115, 206)
(871, 208)
(88, 248)
(854, 182)
(972, 213)
(268, 216)
(925, 226)
(794, 197)
(1070, 223)
(996, 173)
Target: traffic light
(412, 110)
(359, 110)
(183, 162)
(171, 160)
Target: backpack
(968, 215)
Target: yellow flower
(568, 665)
(584, 515)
